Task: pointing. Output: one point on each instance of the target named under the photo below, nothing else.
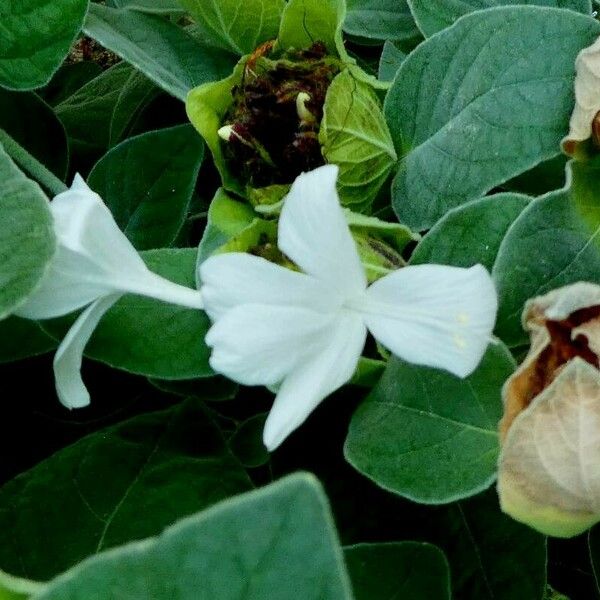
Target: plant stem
(30, 164)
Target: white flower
(95, 264)
(304, 332)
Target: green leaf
(380, 20)
(68, 79)
(430, 436)
(231, 25)
(148, 337)
(354, 136)
(491, 556)
(87, 113)
(393, 571)
(397, 235)
(480, 103)
(307, 21)
(152, 338)
(168, 7)
(434, 15)
(207, 389)
(389, 63)
(27, 241)
(227, 218)
(594, 550)
(36, 36)
(135, 95)
(13, 588)
(471, 233)
(247, 444)
(32, 340)
(165, 53)
(278, 543)
(33, 125)
(550, 245)
(120, 484)
(148, 181)
(206, 108)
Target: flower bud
(288, 111)
(549, 468)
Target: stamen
(304, 114)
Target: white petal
(67, 362)
(313, 232)
(85, 226)
(260, 345)
(433, 315)
(232, 279)
(320, 375)
(94, 259)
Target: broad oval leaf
(236, 26)
(152, 338)
(393, 571)
(471, 233)
(35, 38)
(27, 240)
(434, 15)
(430, 436)
(278, 542)
(114, 486)
(165, 53)
(481, 102)
(147, 181)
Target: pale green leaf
(307, 21)
(355, 137)
(239, 27)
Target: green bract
(303, 88)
